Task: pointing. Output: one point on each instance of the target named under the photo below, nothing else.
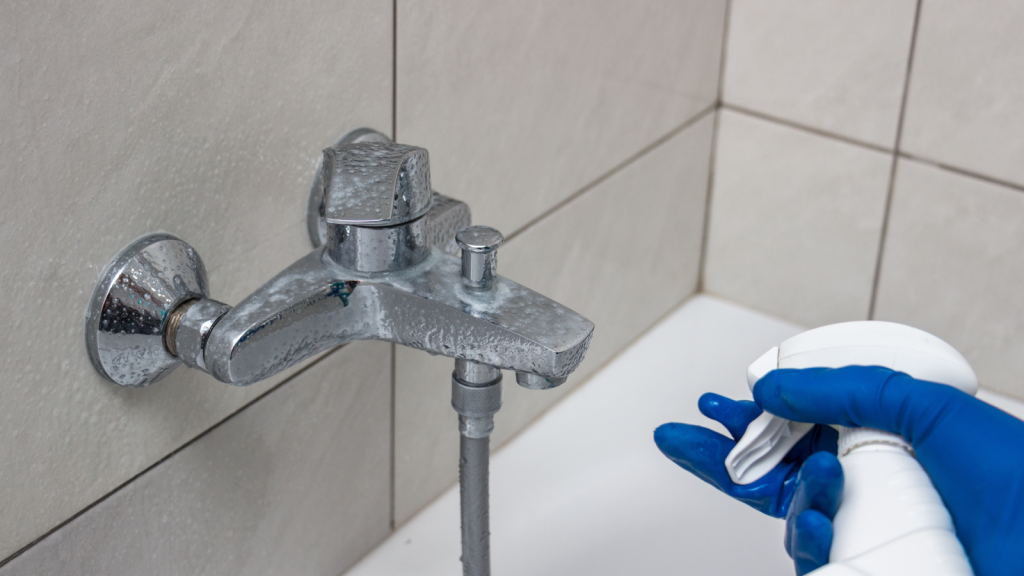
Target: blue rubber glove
(805, 488)
(973, 452)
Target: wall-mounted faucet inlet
(385, 267)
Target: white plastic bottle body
(891, 521)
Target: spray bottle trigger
(768, 438)
(765, 443)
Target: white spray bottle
(891, 521)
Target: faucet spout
(315, 304)
(509, 327)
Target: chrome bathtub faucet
(385, 266)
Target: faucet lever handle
(375, 184)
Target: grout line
(163, 459)
(760, 311)
(893, 169)
(394, 361)
(703, 259)
(394, 70)
(899, 153)
(618, 168)
(706, 232)
(806, 128)
(394, 138)
(724, 52)
(962, 171)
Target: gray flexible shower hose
(473, 491)
(476, 396)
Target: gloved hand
(973, 452)
(805, 488)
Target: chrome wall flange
(130, 307)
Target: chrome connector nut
(476, 401)
(193, 329)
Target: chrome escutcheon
(129, 309)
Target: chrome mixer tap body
(387, 269)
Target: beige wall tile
(953, 266)
(795, 221)
(965, 105)
(297, 483)
(623, 254)
(523, 102)
(426, 428)
(834, 65)
(123, 118)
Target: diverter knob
(479, 256)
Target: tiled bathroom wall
(868, 165)
(582, 130)
(864, 162)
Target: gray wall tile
(953, 266)
(123, 118)
(965, 105)
(833, 65)
(795, 221)
(623, 254)
(523, 102)
(297, 483)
